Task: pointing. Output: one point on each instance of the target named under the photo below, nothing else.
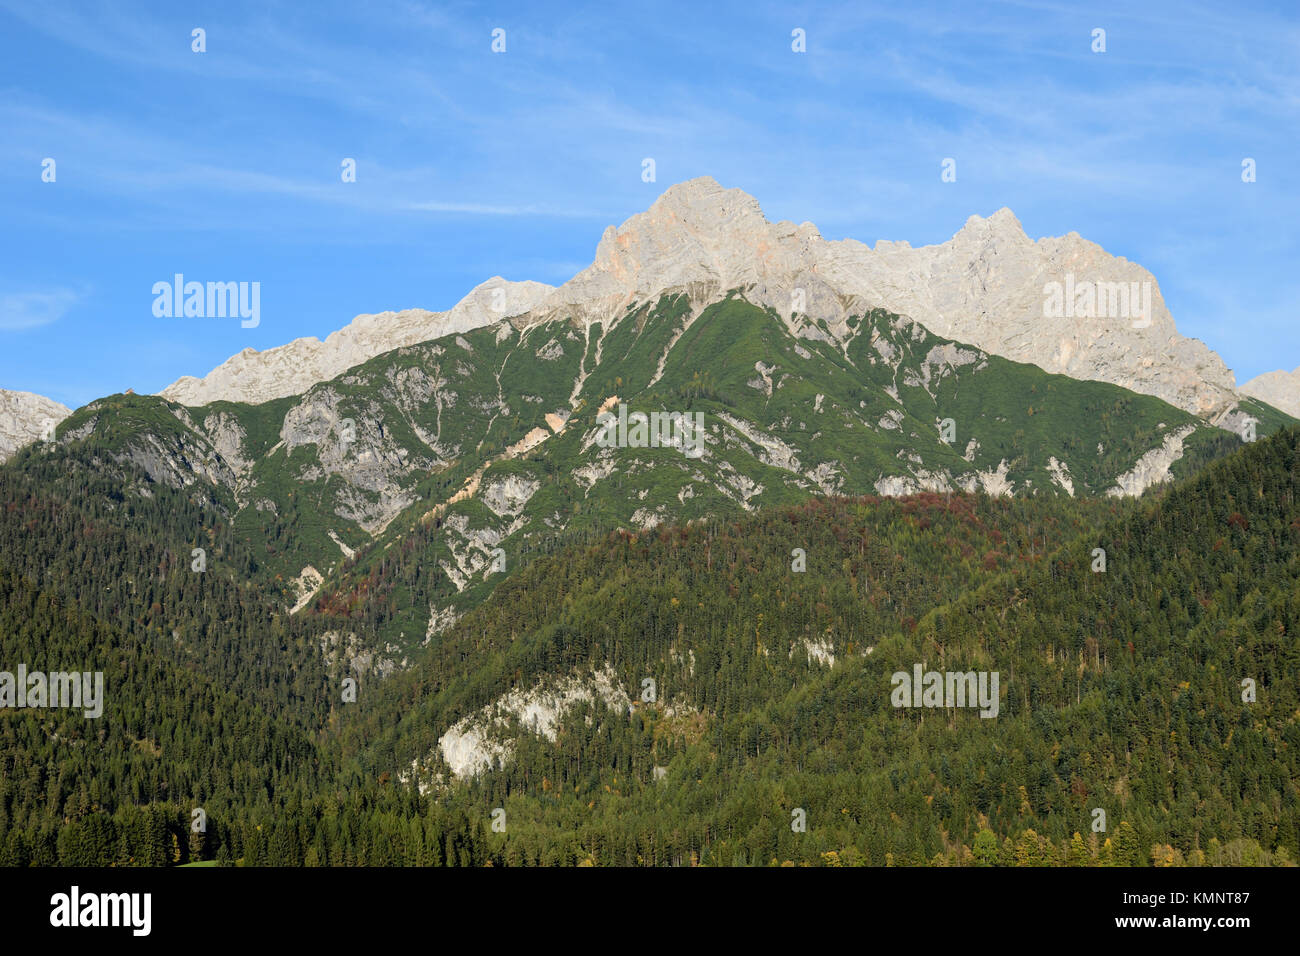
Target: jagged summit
(695, 234)
(985, 286)
(1002, 224)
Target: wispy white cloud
(31, 310)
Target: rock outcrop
(254, 377)
(25, 417)
(1279, 389)
(990, 286)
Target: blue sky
(225, 165)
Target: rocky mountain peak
(695, 231)
(986, 286)
(706, 206)
(1002, 225)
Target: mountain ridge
(418, 472)
(254, 377)
(984, 286)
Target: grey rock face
(1279, 389)
(255, 377)
(988, 286)
(26, 417)
(372, 465)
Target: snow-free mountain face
(1279, 389)
(424, 456)
(253, 376)
(985, 286)
(425, 476)
(989, 286)
(25, 418)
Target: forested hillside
(1121, 690)
(770, 641)
(387, 499)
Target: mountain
(988, 286)
(393, 496)
(391, 499)
(985, 287)
(26, 417)
(256, 377)
(679, 696)
(1279, 389)
(676, 696)
(348, 619)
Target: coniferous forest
(725, 687)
